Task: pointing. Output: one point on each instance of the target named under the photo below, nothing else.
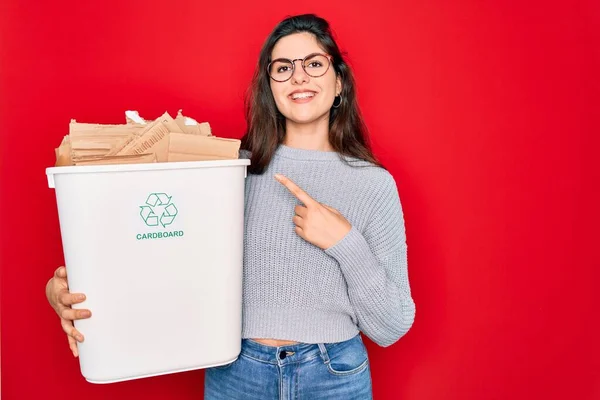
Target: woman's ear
(338, 85)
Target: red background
(485, 112)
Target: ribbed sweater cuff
(356, 259)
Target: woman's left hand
(316, 223)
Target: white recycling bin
(158, 250)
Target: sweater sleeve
(374, 264)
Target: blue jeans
(296, 372)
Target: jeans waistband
(281, 355)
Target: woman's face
(303, 99)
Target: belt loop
(323, 351)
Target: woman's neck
(312, 136)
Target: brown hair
(266, 125)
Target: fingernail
(81, 297)
(278, 177)
(85, 314)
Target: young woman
(324, 246)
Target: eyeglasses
(315, 65)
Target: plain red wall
(486, 113)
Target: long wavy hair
(266, 125)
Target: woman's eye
(283, 69)
(315, 64)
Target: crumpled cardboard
(191, 126)
(164, 139)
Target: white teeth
(303, 95)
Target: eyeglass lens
(315, 66)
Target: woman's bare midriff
(274, 342)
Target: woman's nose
(299, 75)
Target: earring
(340, 103)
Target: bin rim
(156, 166)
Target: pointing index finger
(295, 190)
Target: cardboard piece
(100, 140)
(170, 123)
(63, 153)
(184, 147)
(127, 159)
(191, 126)
(152, 135)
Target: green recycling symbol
(158, 209)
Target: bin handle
(51, 181)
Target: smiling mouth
(302, 95)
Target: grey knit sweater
(296, 291)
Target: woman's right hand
(59, 297)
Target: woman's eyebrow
(297, 58)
